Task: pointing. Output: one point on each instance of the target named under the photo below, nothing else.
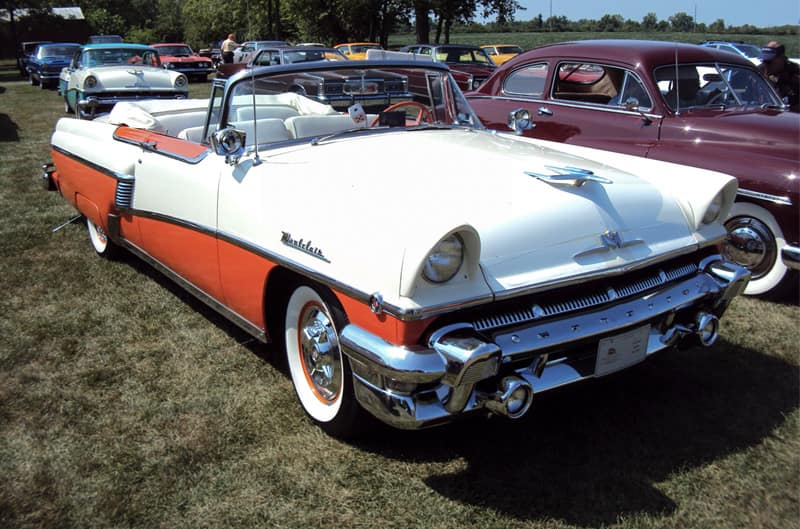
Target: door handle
(544, 111)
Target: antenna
(677, 84)
(256, 159)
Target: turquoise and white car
(101, 75)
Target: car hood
(132, 77)
(766, 130)
(185, 58)
(421, 185)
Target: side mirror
(631, 104)
(229, 142)
(520, 120)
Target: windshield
(330, 98)
(463, 55)
(175, 51)
(58, 51)
(120, 56)
(713, 86)
(749, 50)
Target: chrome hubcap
(320, 353)
(751, 244)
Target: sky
(763, 13)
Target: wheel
(319, 371)
(754, 241)
(104, 246)
(423, 114)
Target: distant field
(125, 403)
(533, 40)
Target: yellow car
(500, 53)
(357, 51)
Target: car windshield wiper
(316, 140)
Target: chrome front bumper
(791, 257)
(464, 371)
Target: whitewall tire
(319, 371)
(755, 241)
(100, 240)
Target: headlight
(169, 65)
(714, 209)
(90, 82)
(444, 260)
(181, 81)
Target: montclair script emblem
(303, 246)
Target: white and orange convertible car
(411, 263)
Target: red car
(181, 58)
(674, 102)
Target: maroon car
(675, 102)
(470, 65)
(181, 58)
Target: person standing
(228, 45)
(782, 73)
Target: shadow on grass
(594, 452)
(9, 131)
(591, 453)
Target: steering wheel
(423, 113)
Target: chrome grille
(612, 292)
(123, 197)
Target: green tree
(718, 26)
(681, 22)
(650, 22)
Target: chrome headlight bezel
(714, 209)
(181, 81)
(444, 260)
(90, 82)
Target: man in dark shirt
(782, 73)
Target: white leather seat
(308, 126)
(245, 113)
(269, 130)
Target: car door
(590, 104)
(175, 205)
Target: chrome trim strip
(791, 257)
(122, 177)
(553, 102)
(235, 318)
(783, 201)
(152, 147)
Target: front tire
(755, 241)
(320, 373)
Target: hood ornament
(568, 176)
(609, 240)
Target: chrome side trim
(235, 318)
(613, 110)
(783, 201)
(153, 147)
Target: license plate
(620, 351)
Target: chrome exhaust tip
(513, 398)
(706, 328)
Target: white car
(410, 263)
(101, 75)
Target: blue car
(45, 63)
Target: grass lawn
(125, 403)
